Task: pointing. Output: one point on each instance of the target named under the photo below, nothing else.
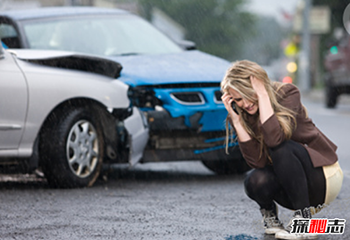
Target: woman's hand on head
(265, 107)
(227, 100)
(258, 86)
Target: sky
(273, 7)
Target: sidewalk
(318, 95)
(314, 95)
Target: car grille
(188, 98)
(218, 95)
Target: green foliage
(219, 27)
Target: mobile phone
(233, 105)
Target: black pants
(291, 181)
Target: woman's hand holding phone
(230, 107)
(233, 105)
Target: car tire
(233, 165)
(225, 167)
(331, 97)
(72, 148)
(331, 93)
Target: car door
(13, 102)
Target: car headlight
(143, 97)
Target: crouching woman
(294, 164)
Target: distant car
(337, 74)
(177, 89)
(66, 119)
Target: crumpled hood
(184, 67)
(70, 60)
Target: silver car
(67, 114)
(178, 90)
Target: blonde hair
(237, 77)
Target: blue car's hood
(184, 67)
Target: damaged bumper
(171, 139)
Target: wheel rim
(82, 149)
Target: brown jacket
(320, 148)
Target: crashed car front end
(180, 96)
(125, 130)
(187, 121)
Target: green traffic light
(334, 50)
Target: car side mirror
(187, 45)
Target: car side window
(9, 35)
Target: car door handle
(10, 127)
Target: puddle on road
(240, 237)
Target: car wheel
(233, 165)
(71, 148)
(331, 97)
(331, 94)
(225, 167)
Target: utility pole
(304, 55)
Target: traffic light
(292, 67)
(334, 50)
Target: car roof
(48, 12)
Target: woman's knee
(256, 181)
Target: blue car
(177, 87)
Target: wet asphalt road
(154, 201)
(163, 201)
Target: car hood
(70, 60)
(184, 67)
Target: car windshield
(101, 35)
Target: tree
(219, 27)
